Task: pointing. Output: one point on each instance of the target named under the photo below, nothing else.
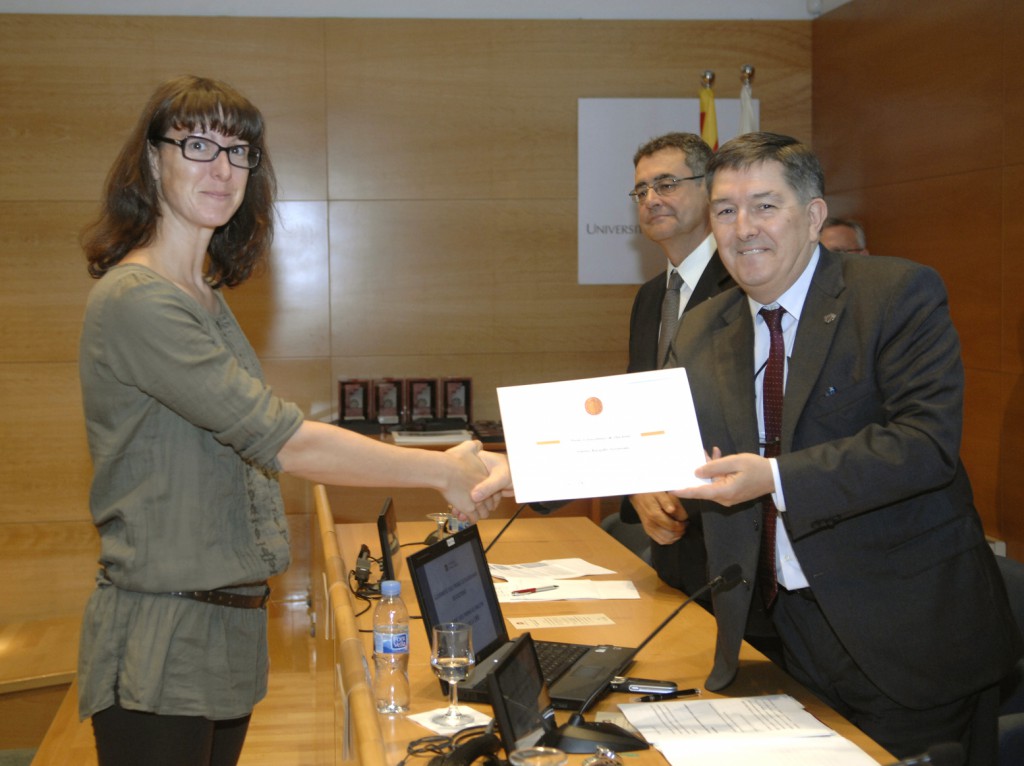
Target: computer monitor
(526, 717)
(387, 531)
(520, 698)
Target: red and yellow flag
(708, 121)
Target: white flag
(748, 122)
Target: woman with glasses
(187, 439)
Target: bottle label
(391, 643)
(455, 524)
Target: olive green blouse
(184, 434)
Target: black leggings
(132, 738)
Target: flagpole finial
(746, 74)
(708, 78)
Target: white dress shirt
(692, 268)
(790, 574)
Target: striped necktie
(771, 405)
(669, 321)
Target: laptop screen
(522, 705)
(453, 584)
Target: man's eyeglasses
(199, 149)
(663, 188)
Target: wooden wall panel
(48, 569)
(73, 86)
(463, 277)
(950, 224)
(908, 92)
(285, 309)
(1008, 445)
(1012, 18)
(983, 445)
(46, 469)
(1011, 276)
(1007, 442)
(916, 118)
(487, 109)
(43, 280)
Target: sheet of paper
(565, 590)
(560, 621)
(772, 715)
(779, 751)
(595, 437)
(773, 730)
(426, 719)
(553, 569)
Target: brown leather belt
(226, 598)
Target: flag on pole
(708, 121)
(748, 122)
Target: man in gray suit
(877, 578)
(672, 210)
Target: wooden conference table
(682, 652)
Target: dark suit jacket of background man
(683, 564)
(879, 507)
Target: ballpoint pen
(526, 591)
(670, 695)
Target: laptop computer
(453, 584)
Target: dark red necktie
(771, 405)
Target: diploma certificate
(596, 437)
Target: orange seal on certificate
(593, 406)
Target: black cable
(439, 744)
(502, 530)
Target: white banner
(611, 247)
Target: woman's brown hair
(131, 205)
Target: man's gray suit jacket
(878, 504)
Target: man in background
(672, 210)
(842, 235)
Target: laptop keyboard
(556, 657)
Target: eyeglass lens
(199, 149)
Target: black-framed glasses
(199, 149)
(663, 188)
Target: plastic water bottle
(391, 649)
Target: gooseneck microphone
(729, 577)
(945, 754)
(579, 736)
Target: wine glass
(542, 756)
(441, 519)
(451, 657)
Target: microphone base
(586, 737)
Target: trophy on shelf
(388, 398)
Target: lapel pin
(830, 391)
(830, 318)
